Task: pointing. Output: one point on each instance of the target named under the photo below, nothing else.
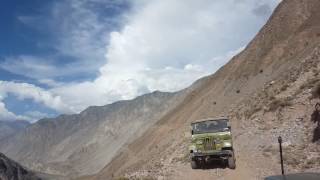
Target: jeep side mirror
(229, 125)
(191, 132)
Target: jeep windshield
(210, 126)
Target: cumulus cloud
(167, 45)
(163, 45)
(78, 32)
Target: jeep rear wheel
(194, 164)
(231, 162)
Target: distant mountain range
(83, 143)
(9, 128)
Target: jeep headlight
(227, 144)
(195, 150)
(199, 142)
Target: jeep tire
(231, 162)
(194, 164)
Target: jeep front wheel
(194, 164)
(231, 162)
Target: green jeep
(211, 141)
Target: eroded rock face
(10, 170)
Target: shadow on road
(214, 165)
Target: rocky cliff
(267, 90)
(10, 170)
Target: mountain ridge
(272, 68)
(66, 145)
(9, 128)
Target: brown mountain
(9, 128)
(84, 143)
(267, 90)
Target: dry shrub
(315, 72)
(316, 91)
(310, 83)
(248, 113)
(277, 103)
(284, 87)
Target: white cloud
(33, 116)
(29, 66)
(6, 115)
(167, 45)
(164, 45)
(50, 82)
(28, 91)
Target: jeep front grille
(209, 144)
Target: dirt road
(242, 172)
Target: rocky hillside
(83, 143)
(9, 128)
(269, 89)
(10, 170)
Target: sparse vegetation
(248, 114)
(238, 91)
(277, 103)
(315, 72)
(316, 91)
(310, 83)
(284, 87)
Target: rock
(10, 170)
(271, 83)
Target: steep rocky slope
(267, 90)
(10, 170)
(73, 145)
(9, 128)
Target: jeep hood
(220, 135)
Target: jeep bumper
(219, 155)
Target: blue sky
(35, 31)
(63, 56)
